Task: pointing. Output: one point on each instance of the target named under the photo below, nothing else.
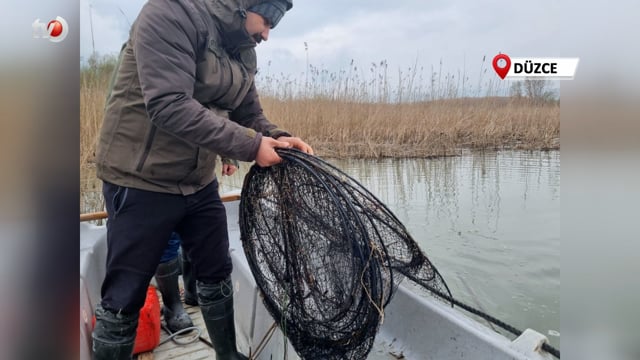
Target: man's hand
(266, 155)
(297, 143)
(229, 166)
(228, 169)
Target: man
(183, 92)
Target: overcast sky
(458, 33)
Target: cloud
(105, 25)
(369, 37)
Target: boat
(415, 326)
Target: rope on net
(327, 255)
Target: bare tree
(533, 89)
(515, 90)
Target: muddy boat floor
(196, 350)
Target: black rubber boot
(216, 303)
(114, 335)
(190, 295)
(173, 311)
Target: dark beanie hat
(272, 10)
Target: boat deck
(199, 349)
(192, 351)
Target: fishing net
(326, 254)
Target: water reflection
(489, 222)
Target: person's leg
(206, 241)
(204, 235)
(167, 279)
(173, 248)
(138, 229)
(190, 294)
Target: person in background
(183, 92)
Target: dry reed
(437, 128)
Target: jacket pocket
(239, 85)
(119, 199)
(213, 79)
(166, 158)
(221, 81)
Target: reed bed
(413, 112)
(424, 129)
(94, 85)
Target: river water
(489, 221)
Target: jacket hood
(230, 15)
(228, 12)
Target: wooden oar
(103, 214)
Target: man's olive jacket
(183, 92)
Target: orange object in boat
(148, 333)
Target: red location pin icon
(501, 71)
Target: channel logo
(535, 68)
(55, 30)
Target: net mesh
(326, 254)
